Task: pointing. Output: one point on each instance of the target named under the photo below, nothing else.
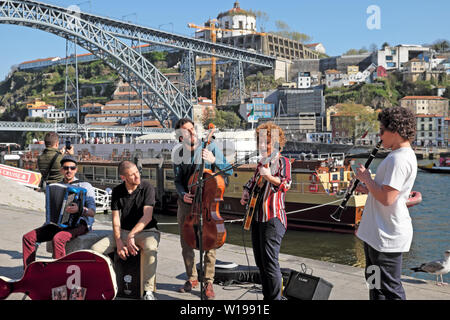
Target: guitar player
(269, 222)
(58, 235)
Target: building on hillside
(299, 125)
(394, 58)
(318, 47)
(335, 79)
(432, 130)
(292, 101)
(256, 108)
(346, 126)
(426, 104)
(240, 21)
(304, 80)
(91, 108)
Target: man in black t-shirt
(134, 227)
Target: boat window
(146, 173)
(341, 171)
(334, 176)
(88, 172)
(111, 173)
(99, 171)
(169, 175)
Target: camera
(68, 145)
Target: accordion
(58, 198)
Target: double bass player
(187, 158)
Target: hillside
(384, 93)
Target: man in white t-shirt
(386, 227)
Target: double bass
(204, 221)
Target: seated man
(134, 227)
(60, 236)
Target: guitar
(83, 270)
(256, 198)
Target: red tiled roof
(148, 123)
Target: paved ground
(348, 281)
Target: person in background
(386, 227)
(51, 151)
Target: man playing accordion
(60, 235)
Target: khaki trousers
(148, 242)
(209, 260)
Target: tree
(284, 30)
(222, 119)
(441, 45)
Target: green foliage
(284, 30)
(223, 119)
(155, 56)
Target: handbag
(43, 183)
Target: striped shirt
(274, 196)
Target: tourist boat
(317, 189)
(319, 183)
(443, 167)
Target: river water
(430, 218)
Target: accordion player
(59, 197)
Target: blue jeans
(266, 239)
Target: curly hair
(400, 120)
(272, 130)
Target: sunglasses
(70, 168)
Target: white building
(241, 21)
(304, 80)
(394, 58)
(59, 114)
(318, 47)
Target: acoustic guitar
(82, 271)
(256, 198)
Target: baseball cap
(68, 159)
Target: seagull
(438, 267)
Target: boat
(319, 183)
(318, 186)
(443, 167)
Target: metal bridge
(100, 36)
(61, 127)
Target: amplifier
(302, 286)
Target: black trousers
(388, 268)
(266, 239)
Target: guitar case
(84, 269)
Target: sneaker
(188, 286)
(148, 295)
(208, 291)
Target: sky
(338, 25)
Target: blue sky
(339, 25)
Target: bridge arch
(166, 102)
